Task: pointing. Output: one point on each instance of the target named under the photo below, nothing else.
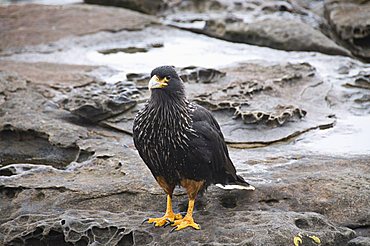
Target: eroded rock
(99, 101)
(351, 22)
(54, 75)
(285, 25)
(146, 6)
(195, 74)
(31, 147)
(191, 74)
(89, 227)
(52, 23)
(281, 34)
(106, 191)
(265, 97)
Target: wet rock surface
(70, 20)
(295, 122)
(99, 101)
(274, 33)
(351, 22)
(286, 25)
(144, 6)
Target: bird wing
(211, 147)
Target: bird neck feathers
(169, 120)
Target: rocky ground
(287, 80)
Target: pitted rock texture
(195, 74)
(191, 74)
(38, 116)
(99, 101)
(280, 98)
(79, 227)
(353, 95)
(351, 22)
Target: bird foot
(183, 223)
(165, 220)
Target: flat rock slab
(284, 25)
(39, 24)
(281, 34)
(57, 76)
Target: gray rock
(190, 74)
(273, 98)
(145, 6)
(351, 22)
(281, 34)
(71, 20)
(99, 101)
(68, 180)
(195, 74)
(54, 75)
(31, 133)
(254, 228)
(359, 241)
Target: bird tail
(238, 184)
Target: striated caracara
(182, 144)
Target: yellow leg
(188, 220)
(168, 216)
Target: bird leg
(188, 220)
(168, 217)
(192, 188)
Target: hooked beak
(155, 82)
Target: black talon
(173, 229)
(167, 224)
(146, 220)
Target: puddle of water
(350, 136)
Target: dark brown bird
(182, 144)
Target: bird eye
(167, 78)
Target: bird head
(166, 79)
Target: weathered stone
(129, 50)
(88, 228)
(273, 215)
(191, 74)
(27, 111)
(146, 6)
(265, 97)
(44, 24)
(99, 101)
(69, 181)
(351, 22)
(360, 241)
(195, 74)
(57, 76)
(274, 33)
